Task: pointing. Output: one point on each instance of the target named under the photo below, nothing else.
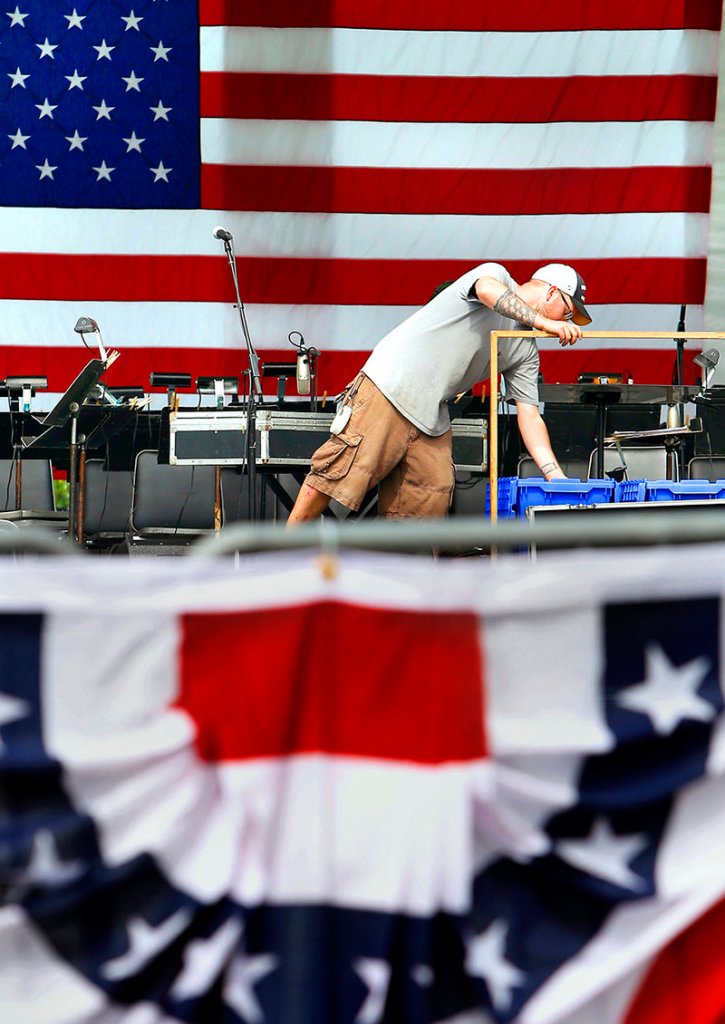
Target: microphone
(303, 372)
(222, 234)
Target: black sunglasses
(570, 314)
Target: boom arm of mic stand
(253, 360)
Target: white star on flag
(104, 111)
(422, 974)
(76, 140)
(75, 81)
(12, 709)
(132, 82)
(46, 171)
(18, 139)
(160, 51)
(243, 975)
(46, 109)
(46, 49)
(204, 960)
(103, 172)
(485, 959)
(144, 942)
(104, 50)
(74, 20)
(46, 868)
(667, 693)
(132, 21)
(132, 142)
(16, 18)
(606, 855)
(161, 173)
(376, 975)
(160, 111)
(17, 78)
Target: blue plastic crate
(630, 490)
(538, 491)
(684, 490)
(506, 490)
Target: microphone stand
(676, 413)
(255, 387)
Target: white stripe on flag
(346, 51)
(179, 325)
(360, 236)
(485, 145)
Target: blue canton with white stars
(99, 104)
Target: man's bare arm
(510, 305)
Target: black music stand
(68, 408)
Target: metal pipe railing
(631, 529)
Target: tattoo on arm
(512, 306)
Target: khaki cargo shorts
(379, 446)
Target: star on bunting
(485, 958)
(144, 942)
(12, 709)
(667, 693)
(205, 959)
(46, 868)
(243, 975)
(606, 855)
(376, 975)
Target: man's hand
(566, 331)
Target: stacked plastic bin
(516, 495)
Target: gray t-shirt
(443, 349)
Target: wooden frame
(495, 335)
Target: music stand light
(708, 360)
(23, 387)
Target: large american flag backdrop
(397, 794)
(361, 154)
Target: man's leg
(421, 485)
(310, 504)
(349, 464)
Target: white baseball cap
(568, 281)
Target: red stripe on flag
(335, 368)
(466, 15)
(687, 980)
(318, 97)
(334, 678)
(316, 280)
(500, 192)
